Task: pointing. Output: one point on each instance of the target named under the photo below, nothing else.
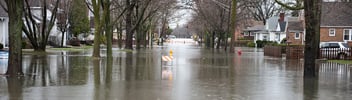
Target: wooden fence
(294, 52)
(274, 51)
(335, 53)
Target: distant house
(274, 29)
(249, 33)
(336, 22)
(295, 33)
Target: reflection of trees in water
(310, 88)
(15, 87)
(48, 70)
(216, 66)
(140, 66)
(38, 71)
(78, 70)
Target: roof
(35, 3)
(255, 28)
(295, 26)
(336, 14)
(282, 26)
(3, 13)
(272, 22)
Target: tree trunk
(15, 13)
(129, 32)
(15, 87)
(62, 38)
(312, 9)
(97, 26)
(138, 37)
(233, 24)
(108, 28)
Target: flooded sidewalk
(194, 73)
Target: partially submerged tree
(312, 14)
(226, 16)
(96, 6)
(15, 13)
(39, 17)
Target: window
(297, 35)
(332, 32)
(334, 45)
(252, 34)
(347, 35)
(324, 45)
(246, 34)
(265, 37)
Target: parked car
(335, 50)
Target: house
(336, 22)
(4, 20)
(295, 32)
(274, 29)
(36, 10)
(249, 33)
(335, 25)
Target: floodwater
(194, 74)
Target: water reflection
(15, 88)
(310, 88)
(194, 74)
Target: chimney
(282, 17)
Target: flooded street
(195, 73)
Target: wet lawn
(342, 61)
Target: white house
(275, 29)
(55, 34)
(4, 20)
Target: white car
(335, 50)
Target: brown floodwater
(195, 73)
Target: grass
(72, 48)
(341, 61)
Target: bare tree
(312, 14)
(141, 11)
(219, 20)
(62, 22)
(15, 13)
(38, 32)
(264, 9)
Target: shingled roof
(3, 13)
(336, 14)
(295, 26)
(33, 3)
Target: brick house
(336, 25)
(336, 22)
(295, 32)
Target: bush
(262, 43)
(283, 41)
(251, 44)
